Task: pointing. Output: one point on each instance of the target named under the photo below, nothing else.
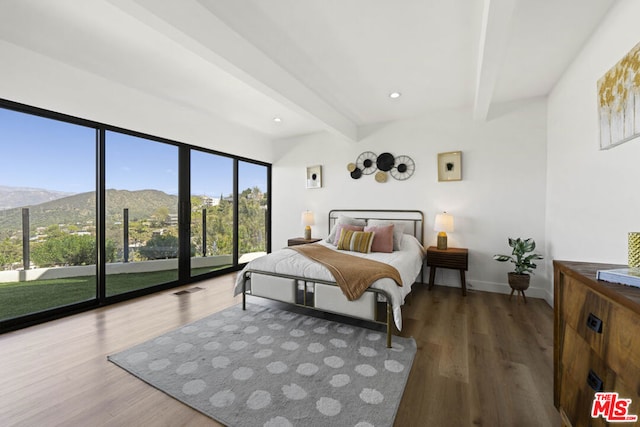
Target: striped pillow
(356, 241)
(340, 227)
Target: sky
(36, 152)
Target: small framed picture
(450, 166)
(314, 176)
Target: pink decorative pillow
(340, 227)
(383, 239)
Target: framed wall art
(450, 166)
(314, 176)
(619, 101)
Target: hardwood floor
(482, 360)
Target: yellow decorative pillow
(356, 241)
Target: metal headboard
(413, 219)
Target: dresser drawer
(457, 258)
(627, 390)
(575, 405)
(587, 312)
(584, 365)
(623, 348)
(584, 373)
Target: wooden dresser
(596, 341)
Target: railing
(112, 268)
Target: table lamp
(307, 221)
(444, 224)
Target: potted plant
(522, 256)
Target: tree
(110, 251)
(53, 231)
(251, 224)
(220, 228)
(10, 253)
(252, 205)
(160, 247)
(69, 249)
(160, 216)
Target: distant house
(172, 219)
(210, 201)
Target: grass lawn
(21, 298)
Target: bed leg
(244, 294)
(388, 325)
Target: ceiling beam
(196, 28)
(496, 28)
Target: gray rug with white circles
(268, 367)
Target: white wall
(592, 195)
(502, 193)
(33, 79)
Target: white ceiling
(317, 64)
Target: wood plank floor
(482, 360)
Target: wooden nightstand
(454, 258)
(301, 241)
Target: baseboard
(549, 298)
(503, 288)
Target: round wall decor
(404, 168)
(381, 177)
(401, 167)
(385, 162)
(366, 162)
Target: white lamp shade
(307, 218)
(444, 222)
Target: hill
(13, 197)
(80, 209)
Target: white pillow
(398, 230)
(343, 219)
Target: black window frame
(184, 217)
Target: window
(141, 213)
(252, 211)
(47, 214)
(70, 183)
(211, 212)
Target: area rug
(268, 367)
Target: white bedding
(408, 262)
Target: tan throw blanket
(353, 274)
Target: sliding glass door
(211, 212)
(92, 214)
(252, 211)
(47, 214)
(141, 213)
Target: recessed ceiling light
(395, 95)
(277, 119)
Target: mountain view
(62, 232)
(80, 208)
(13, 197)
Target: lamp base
(307, 233)
(442, 240)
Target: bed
(289, 276)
